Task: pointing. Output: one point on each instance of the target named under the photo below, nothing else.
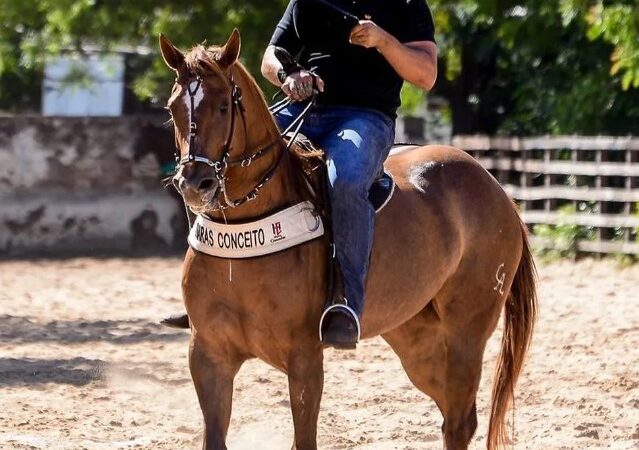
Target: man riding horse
(360, 53)
(359, 71)
(254, 277)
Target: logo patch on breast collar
(277, 232)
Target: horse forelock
(202, 61)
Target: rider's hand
(368, 34)
(299, 85)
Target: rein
(221, 166)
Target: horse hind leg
(445, 366)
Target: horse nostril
(206, 184)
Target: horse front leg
(213, 379)
(305, 385)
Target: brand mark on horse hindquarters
(500, 276)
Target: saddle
(312, 159)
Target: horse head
(205, 109)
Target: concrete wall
(85, 186)
(92, 185)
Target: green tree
(535, 66)
(617, 24)
(33, 29)
(526, 67)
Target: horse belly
(411, 260)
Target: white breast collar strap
(280, 231)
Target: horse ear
(173, 57)
(231, 50)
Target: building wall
(85, 186)
(88, 85)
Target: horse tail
(520, 313)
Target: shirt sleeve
(285, 35)
(419, 22)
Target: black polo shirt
(353, 75)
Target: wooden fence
(597, 176)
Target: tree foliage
(526, 67)
(618, 24)
(33, 29)
(535, 66)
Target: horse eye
(224, 109)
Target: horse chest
(256, 318)
(256, 305)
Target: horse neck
(261, 131)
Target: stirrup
(344, 309)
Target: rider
(361, 52)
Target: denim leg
(356, 146)
(287, 115)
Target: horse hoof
(340, 331)
(180, 321)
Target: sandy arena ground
(83, 365)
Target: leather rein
(221, 166)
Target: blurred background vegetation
(506, 67)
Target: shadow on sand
(29, 371)
(24, 330)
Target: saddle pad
(280, 231)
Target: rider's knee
(349, 186)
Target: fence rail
(597, 176)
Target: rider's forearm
(271, 66)
(415, 62)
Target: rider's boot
(339, 327)
(180, 321)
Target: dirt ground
(83, 365)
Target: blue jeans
(356, 142)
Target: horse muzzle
(199, 191)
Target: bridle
(221, 166)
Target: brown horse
(450, 253)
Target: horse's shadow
(31, 371)
(27, 330)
